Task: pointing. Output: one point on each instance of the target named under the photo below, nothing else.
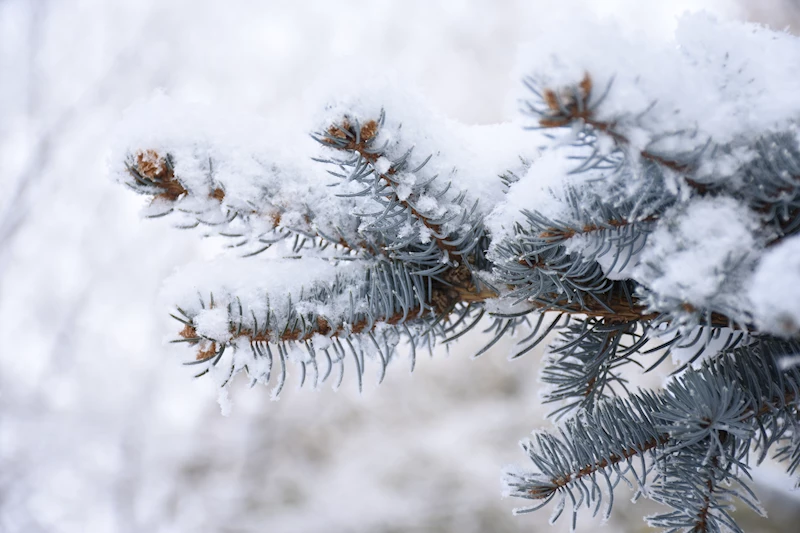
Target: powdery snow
(775, 289)
(695, 253)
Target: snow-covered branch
(658, 199)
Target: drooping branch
(322, 327)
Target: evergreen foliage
(629, 237)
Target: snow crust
(541, 188)
(472, 157)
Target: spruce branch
(584, 361)
(375, 167)
(770, 182)
(636, 233)
(203, 204)
(444, 298)
(694, 435)
(357, 140)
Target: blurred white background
(101, 430)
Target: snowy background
(101, 430)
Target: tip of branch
(154, 169)
(567, 104)
(345, 135)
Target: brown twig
(558, 234)
(588, 470)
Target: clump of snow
(541, 188)
(382, 165)
(789, 362)
(405, 185)
(775, 289)
(213, 323)
(428, 206)
(320, 342)
(699, 253)
(224, 401)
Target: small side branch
(565, 107)
(359, 140)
